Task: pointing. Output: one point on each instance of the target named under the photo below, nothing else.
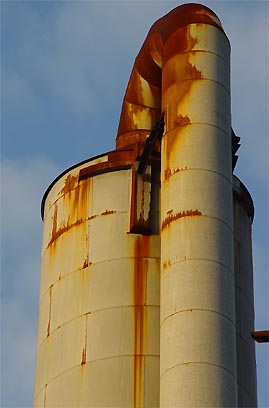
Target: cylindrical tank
(244, 299)
(197, 332)
(98, 336)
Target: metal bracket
(155, 134)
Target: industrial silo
(146, 295)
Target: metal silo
(244, 298)
(98, 342)
(146, 295)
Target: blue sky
(65, 67)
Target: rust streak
(50, 296)
(173, 217)
(168, 172)
(83, 356)
(108, 212)
(69, 184)
(140, 279)
(45, 395)
(63, 228)
(183, 120)
(86, 263)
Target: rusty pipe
(142, 103)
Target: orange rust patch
(140, 288)
(108, 212)
(74, 208)
(173, 217)
(166, 264)
(168, 173)
(183, 120)
(69, 184)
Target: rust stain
(154, 71)
(183, 120)
(168, 172)
(86, 263)
(50, 300)
(69, 184)
(83, 356)
(45, 395)
(108, 212)
(172, 217)
(75, 207)
(92, 217)
(140, 287)
(166, 264)
(63, 228)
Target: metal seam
(200, 310)
(195, 81)
(203, 259)
(202, 169)
(90, 265)
(91, 312)
(228, 135)
(93, 361)
(199, 362)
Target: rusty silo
(146, 296)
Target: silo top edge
(62, 174)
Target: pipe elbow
(141, 107)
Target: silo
(146, 294)
(197, 328)
(98, 336)
(244, 299)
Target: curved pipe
(142, 103)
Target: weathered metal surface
(143, 99)
(244, 298)
(197, 335)
(99, 295)
(106, 228)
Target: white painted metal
(198, 339)
(244, 299)
(98, 336)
